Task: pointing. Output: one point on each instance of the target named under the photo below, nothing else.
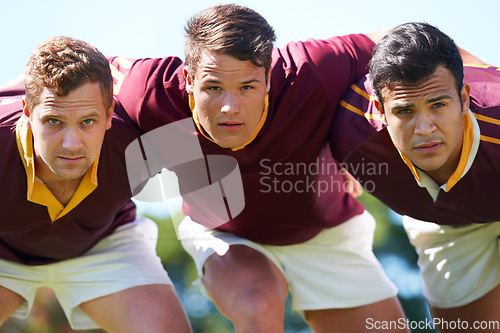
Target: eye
(246, 87)
(53, 121)
(438, 105)
(213, 88)
(403, 111)
(88, 122)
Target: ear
(26, 111)
(110, 115)
(189, 79)
(378, 105)
(465, 96)
(268, 83)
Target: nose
(72, 139)
(230, 103)
(424, 124)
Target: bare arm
(377, 35)
(468, 58)
(14, 82)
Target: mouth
(71, 159)
(428, 147)
(231, 125)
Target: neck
(443, 174)
(439, 177)
(62, 189)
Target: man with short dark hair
(437, 132)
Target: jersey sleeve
(12, 91)
(485, 99)
(335, 62)
(10, 105)
(151, 90)
(355, 120)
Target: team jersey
(28, 232)
(293, 188)
(362, 143)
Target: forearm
(468, 58)
(377, 35)
(13, 83)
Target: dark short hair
(62, 64)
(232, 30)
(410, 53)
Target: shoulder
(10, 110)
(313, 50)
(485, 99)
(142, 72)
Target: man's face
(425, 122)
(229, 95)
(68, 132)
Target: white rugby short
(458, 264)
(124, 259)
(335, 269)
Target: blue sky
(154, 28)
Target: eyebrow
(435, 99)
(62, 115)
(244, 82)
(251, 81)
(430, 101)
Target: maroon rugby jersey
(292, 186)
(361, 141)
(27, 234)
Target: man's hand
(351, 185)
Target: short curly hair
(62, 64)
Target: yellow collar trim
(252, 137)
(411, 166)
(463, 164)
(37, 191)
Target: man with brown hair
(67, 219)
(271, 110)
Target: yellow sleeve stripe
(477, 66)
(119, 68)
(123, 62)
(351, 108)
(361, 92)
(487, 119)
(360, 112)
(118, 76)
(490, 139)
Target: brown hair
(62, 64)
(232, 30)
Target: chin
(230, 143)
(429, 167)
(73, 174)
